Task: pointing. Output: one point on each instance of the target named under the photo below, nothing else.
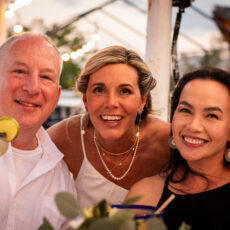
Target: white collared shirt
(23, 206)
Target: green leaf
(128, 225)
(156, 224)
(132, 200)
(85, 225)
(122, 216)
(103, 224)
(83, 228)
(184, 226)
(100, 210)
(69, 74)
(46, 225)
(67, 205)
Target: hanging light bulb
(95, 37)
(17, 4)
(65, 57)
(9, 14)
(18, 28)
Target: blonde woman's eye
(126, 91)
(98, 90)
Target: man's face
(29, 81)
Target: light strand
(17, 4)
(80, 52)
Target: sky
(122, 24)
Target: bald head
(6, 46)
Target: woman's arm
(150, 189)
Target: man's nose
(32, 84)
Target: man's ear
(59, 95)
(85, 101)
(59, 92)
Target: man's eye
(46, 77)
(20, 71)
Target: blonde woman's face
(113, 100)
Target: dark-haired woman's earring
(172, 143)
(227, 155)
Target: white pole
(158, 47)
(3, 35)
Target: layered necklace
(133, 149)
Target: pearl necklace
(131, 162)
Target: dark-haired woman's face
(201, 122)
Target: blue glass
(149, 210)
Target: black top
(207, 210)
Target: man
(32, 170)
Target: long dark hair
(177, 161)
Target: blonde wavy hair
(117, 55)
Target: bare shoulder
(155, 134)
(150, 190)
(157, 127)
(67, 137)
(63, 130)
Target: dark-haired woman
(199, 173)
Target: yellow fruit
(10, 127)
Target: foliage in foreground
(102, 217)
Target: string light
(12, 7)
(80, 52)
(65, 57)
(18, 28)
(17, 4)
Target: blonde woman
(117, 141)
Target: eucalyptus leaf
(103, 224)
(122, 216)
(83, 228)
(85, 225)
(156, 224)
(100, 210)
(128, 225)
(46, 225)
(67, 205)
(185, 226)
(132, 200)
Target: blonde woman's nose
(111, 100)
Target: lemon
(10, 127)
